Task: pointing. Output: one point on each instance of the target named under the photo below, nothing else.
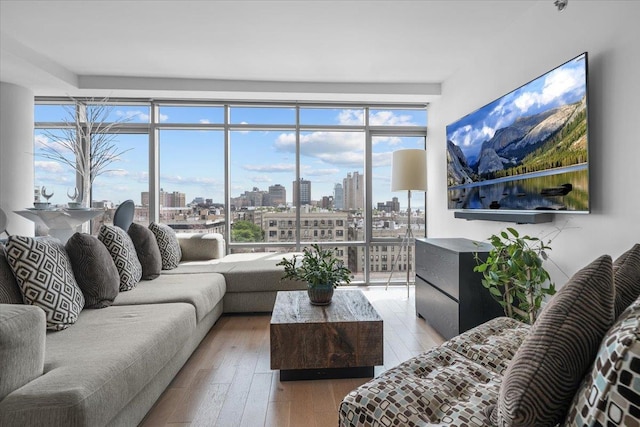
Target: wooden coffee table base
(325, 374)
(340, 340)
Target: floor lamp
(408, 172)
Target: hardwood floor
(228, 381)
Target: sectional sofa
(577, 365)
(112, 364)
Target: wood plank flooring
(228, 380)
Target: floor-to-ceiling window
(268, 176)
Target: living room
(534, 37)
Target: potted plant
(514, 275)
(320, 268)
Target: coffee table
(340, 340)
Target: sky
(192, 160)
(563, 85)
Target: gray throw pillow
(9, 289)
(43, 271)
(123, 253)
(546, 371)
(626, 278)
(168, 244)
(147, 249)
(94, 270)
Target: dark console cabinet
(449, 294)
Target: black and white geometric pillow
(124, 255)
(168, 244)
(43, 271)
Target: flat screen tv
(525, 151)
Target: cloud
(282, 167)
(180, 180)
(557, 84)
(139, 115)
(308, 171)
(376, 118)
(50, 166)
(261, 179)
(204, 121)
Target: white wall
(16, 155)
(538, 42)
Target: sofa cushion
(168, 244)
(44, 273)
(94, 270)
(626, 277)
(124, 255)
(492, 344)
(439, 387)
(547, 369)
(147, 249)
(610, 393)
(94, 369)
(9, 289)
(22, 336)
(203, 291)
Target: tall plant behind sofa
(514, 275)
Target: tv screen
(525, 151)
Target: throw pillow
(43, 271)
(123, 253)
(547, 369)
(626, 278)
(9, 289)
(168, 244)
(94, 270)
(147, 249)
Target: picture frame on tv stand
(524, 156)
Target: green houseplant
(320, 268)
(514, 275)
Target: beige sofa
(112, 364)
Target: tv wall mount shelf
(517, 217)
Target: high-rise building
(277, 195)
(353, 187)
(389, 206)
(305, 192)
(144, 198)
(338, 197)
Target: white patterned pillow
(168, 244)
(43, 271)
(124, 255)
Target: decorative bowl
(41, 205)
(74, 205)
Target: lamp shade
(409, 170)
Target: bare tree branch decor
(86, 142)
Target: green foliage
(246, 231)
(514, 275)
(317, 266)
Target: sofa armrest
(22, 341)
(201, 246)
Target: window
(232, 167)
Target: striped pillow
(626, 277)
(544, 375)
(124, 255)
(43, 271)
(168, 243)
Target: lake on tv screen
(567, 190)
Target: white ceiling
(401, 50)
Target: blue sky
(192, 160)
(563, 85)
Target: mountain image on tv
(526, 150)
